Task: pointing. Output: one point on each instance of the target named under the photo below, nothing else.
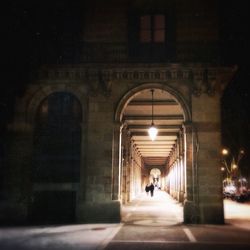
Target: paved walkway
(156, 223)
(237, 213)
(68, 237)
(148, 223)
(160, 210)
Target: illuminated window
(152, 29)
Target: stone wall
(192, 30)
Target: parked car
(236, 189)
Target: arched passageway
(161, 161)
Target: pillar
(206, 119)
(103, 167)
(191, 211)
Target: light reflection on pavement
(154, 221)
(237, 213)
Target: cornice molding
(201, 79)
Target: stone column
(191, 213)
(125, 165)
(206, 119)
(81, 192)
(116, 161)
(102, 199)
(182, 192)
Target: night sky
(235, 102)
(37, 32)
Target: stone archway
(175, 93)
(172, 114)
(24, 128)
(198, 150)
(35, 95)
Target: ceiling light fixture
(152, 131)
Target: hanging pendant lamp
(152, 131)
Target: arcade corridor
(160, 160)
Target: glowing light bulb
(152, 132)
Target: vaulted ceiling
(167, 116)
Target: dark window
(57, 139)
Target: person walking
(147, 188)
(151, 188)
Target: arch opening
(162, 161)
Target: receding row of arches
(162, 161)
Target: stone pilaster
(191, 213)
(101, 202)
(206, 120)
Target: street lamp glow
(234, 166)
(242, 152)
(224, 151)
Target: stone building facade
(77, 147)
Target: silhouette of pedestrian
(151, 188)
(147, 188)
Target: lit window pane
(159, 22)
(145, 22)
(159, 36)
(145, 36)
